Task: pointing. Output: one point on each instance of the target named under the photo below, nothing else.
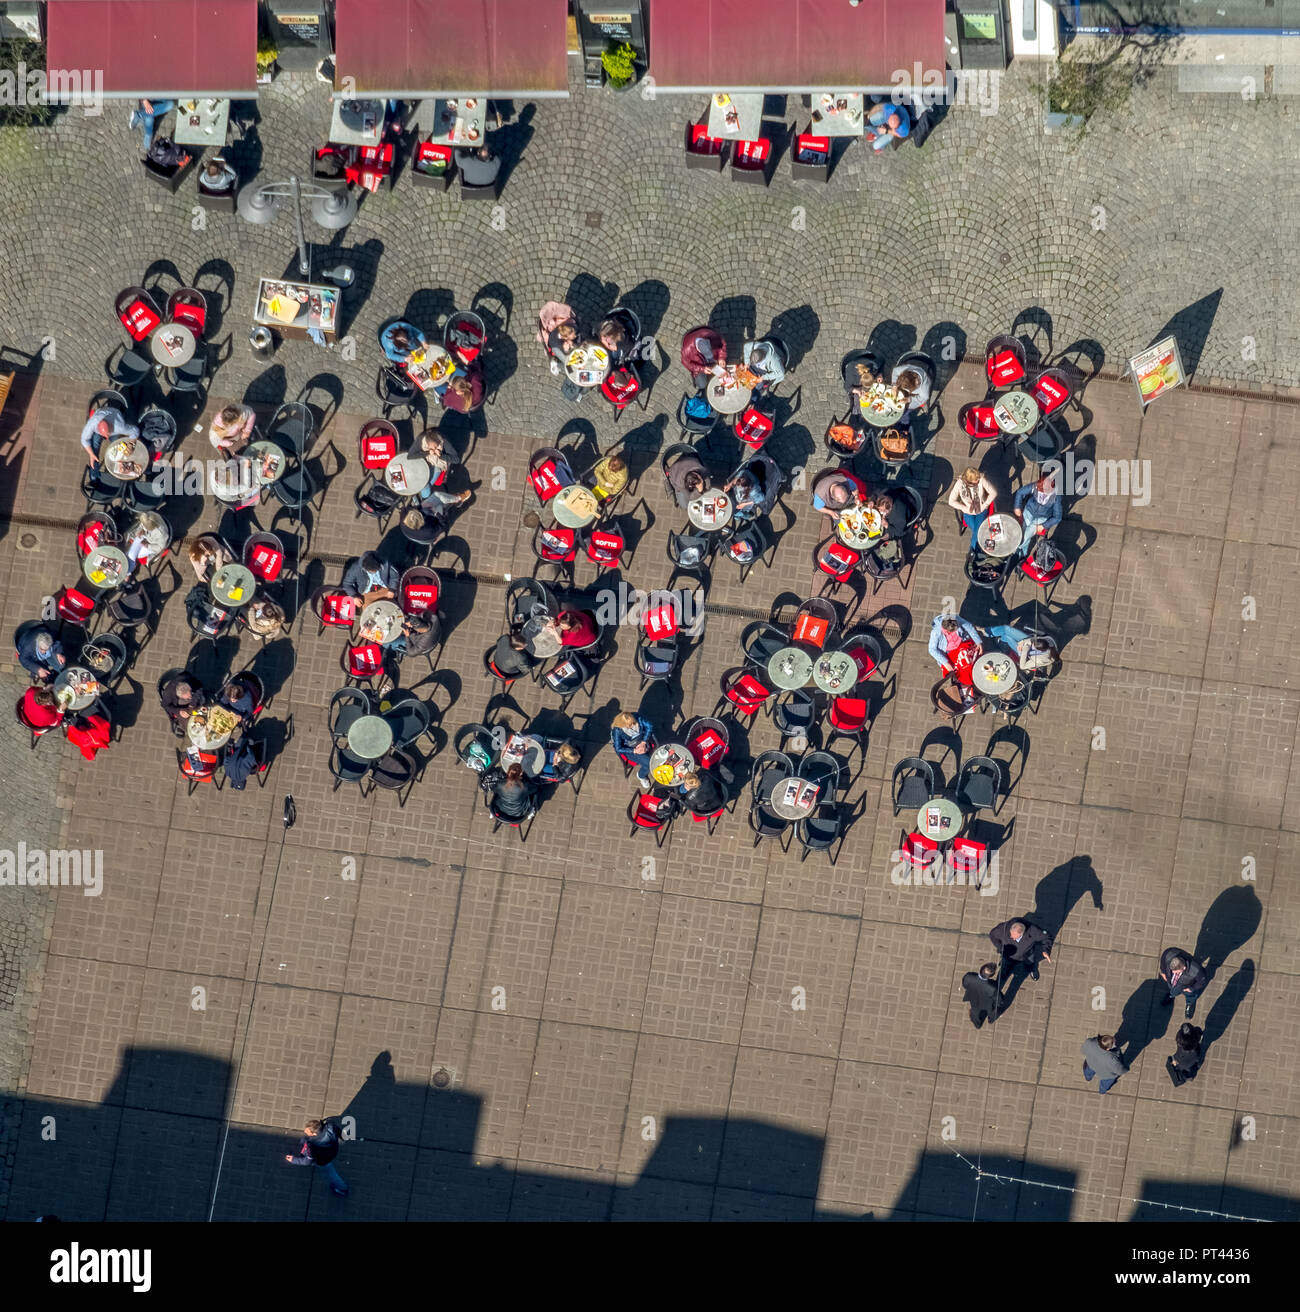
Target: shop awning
(124, 49)
(417, 49)
(795, 45)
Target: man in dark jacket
(1184, 975)
(1022, 946)
(1186, 1061)
(1101, 1057)
(181, 696)
(702, 793)
(980, 989)
(320, 1148)
(371, 578)
(40, 654)
(479, 168)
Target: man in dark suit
(1186, 1061)
(370, 578)
(980, 989)
(1184, 975)
(1022, 946)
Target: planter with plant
(619, 63)
(267, 53)
(1078, 89)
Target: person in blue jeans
(1039, 508)
(149, 112)
(634, 740)
(1100, 1057)
(890, 123)
(319, 1149)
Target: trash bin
(262, 342)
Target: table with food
(210, 727)
(76, 688)
(711, 511)
(736, 116)
(587, 365)
(459, 122)
(835, 672)
(268, 461)
(126, 458)
(106, 567)
(670, 763)
(381, 622)
(837, 113)
(729, 392)
(430, 367)
(860, 527)
(882, 405)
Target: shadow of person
(1143, 1019)
(1226, 1004)
(1230, 923)
(1059, 891)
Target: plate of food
(221, 721)
(721, 99)
(121, 449)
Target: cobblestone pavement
(557, 1028)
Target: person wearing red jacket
(704, 354)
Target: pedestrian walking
(1022, 946)
(1184, 976)
(1100, 1057)
(980, 989)
(319, 1149)
(1187, 1058)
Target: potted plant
(1077, 89)
(619, 62)
(267, 53)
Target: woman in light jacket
(971, 496)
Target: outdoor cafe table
(793, 803)
(575, 506)
(269, 461)
(995, 674)
(940, 819)
(105, 567)
(460, 122)
(673, 758)
(370, 737)
(736, 117)
(201, 122)
(837, 113)
(711, 511)
(126, 458)
(836, 673)
(432, 370)
(233, 585)
(407, 474)
(196, 730)
(381, 622)
(525, 750)
(999, 536)
(860, 527)
(587, 365)
(76, 688)
(727, 394)
(791, 667)
(172, 345)
(1016, 413)
(882, 406)
(357, 122)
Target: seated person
(438, 505)
(561, 762)
(689, 479)
(894, 513)
(370, 578)
(41, 708)
(264, 617)
(915, 386)
(753, 488)
(150, 536)
(833, 493)
(609, 477)
(560, 341)
(240, 698)
(167, 154)
(234, 483)
(761, 357)
(701, 792)
(208, 554)
(478, 168)
(511, 657)
(578, 628)
(104, 424)
(181, 696)
(1039, 508)
(947, 633)
(217, 176)
(614, 338)
(464, 393)
(889, 123)
(512, 794)
(41, 654)
(90, 733)
(440, 454)
(704, 354)
(232, 429)
(419, 635)
(858, 377)
(634, 740)
(1032, 654)
(400, 340)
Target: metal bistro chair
(980, 784)
(914, 781)
(769, 768)
(346, 707)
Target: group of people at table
(453, 372)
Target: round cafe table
(1008, 537)
(233, 585)
(105, 567)
(524, 749)
(727, 394)
(835, 672)
(76, 688)
(995, 674)
(947, 819)
(269, 461)
(370, 737)
(132, 462)
(860, 528)
(575, 506)
(674, 756)
(433, 370)
(791, 667)
(882, 406)
(1016, 413)
(172, 345)
(588, 365)
(717, 504)
(792, 810)
(381, 622)
(197, 732)
(407, 474)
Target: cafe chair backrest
(264, 556)
(660, 621)
(753, 154)
(418, 591)
(377, 443)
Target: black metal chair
(348, 769)
(981, 784)
(127, 369)
(656, 659)
(410, 718)
(522, 823)
(821, 768)
(820, 831)
(395, 391)
(760, 641)
(690, 551)
(114, 647)
(395, 772)
(987, 572)
(914, 781)
(748, 547)
(346, 707)
(768, 769)
(192, 376)
(794, 713)
(99, 488)
(689, 425)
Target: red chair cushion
(811, 630)
(90, 537)
(838, 561)
(605, 548)
(377, 449)
(708, 747)
(807, 142)
(74, 605)
(546, 480)
(660, 621)
(427, 151)
(967, 855)
(848, 713)
(339, 608)
(754, 427)
(979, 422)
(962, 660)
(559, 545)
(620, 387)
(470, 347)
(862, 659)
(139, 320)
(265, 562)
(1003, 369)
(917, 848)
(747, 694)
(1029, 568)
(417, 598)
(647, 811)
(366, 660)
(753, 154)
(702, 143)
(1050, 393)
(194, 317)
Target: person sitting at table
(633, 740)
(512, 794)
(145, 115)
(701, 793)
(889, 123)
(689, 478)
(833, 493)
(264, 617)
(1032, 653)
(947, 633)
(438, 505)
(478, 168)
(218, 176)
(181, 696)
(419, 635)
(972, 496)
(704, 354)
(41, 654)
(207, 554)
(370, 578)
(400, 340)
(91, 732)
(753, 488)
(510, 656)
(763, 359)
(150, 536)
(858, 377)
(41, 707)
(560, 763)
(440, 454)
(557, 330)
(104, 424)
(232, 429)
(578, 628)
(234, 483)
(1039, 508)
(239, 698)
(464, 392)
(894, 513)
(915, 387)
(614, 338)
(609, 477)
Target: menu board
(295, 308)
(1157, 370)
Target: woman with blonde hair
(207, 555)
(971, 496)
(634, 740)
(232, 429)
(264, 618)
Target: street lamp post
(331, 209)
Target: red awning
(795, 45)
(156, 48)
(416, 49)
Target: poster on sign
(1157, 370)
